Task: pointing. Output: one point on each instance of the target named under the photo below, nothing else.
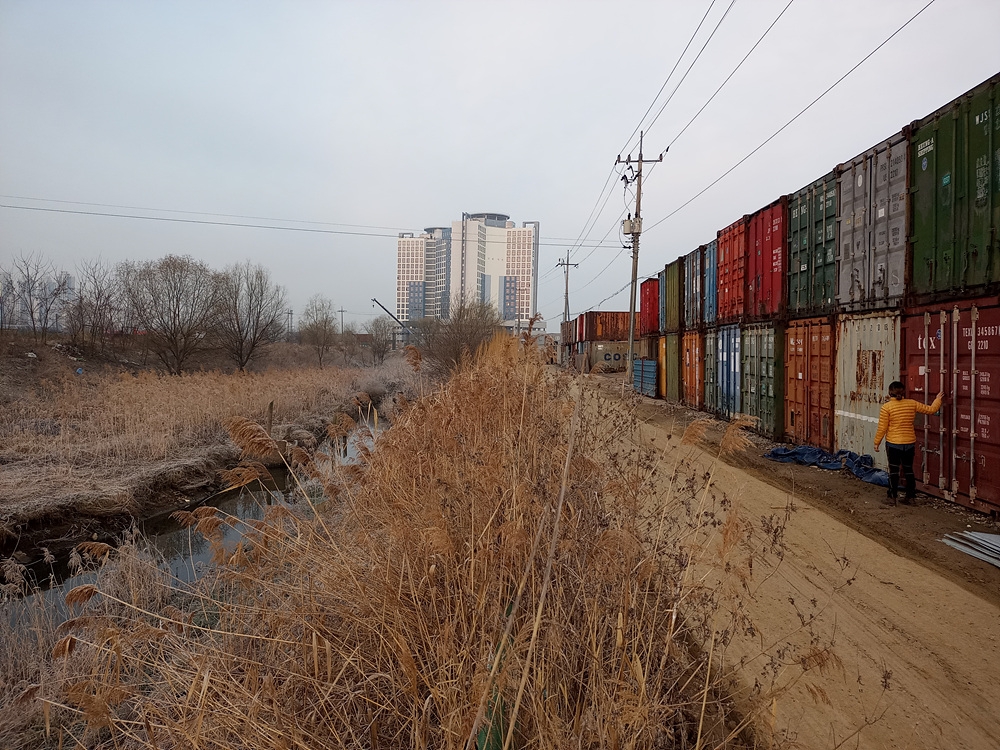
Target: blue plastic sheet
(863, 467)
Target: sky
(330, 127)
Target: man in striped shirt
(895, 424)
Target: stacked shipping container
(802, 313)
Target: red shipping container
(766, 278)
(649, 307)
(810, 359)
(955, 347)
(731, 273)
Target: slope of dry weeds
(500, 571)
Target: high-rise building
(483, 257)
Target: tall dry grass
(77, 433)
(507, 568)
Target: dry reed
(475, 579)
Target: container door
(661, 368)
(711, 262)
(711, 368)
(762, 379)
(868, 360)
(674, 367)
(958, 450)
(729, 371)
(809, 368)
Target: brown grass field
(111, 441)
(506, 568)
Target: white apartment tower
(484, 257)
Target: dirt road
(915, 626)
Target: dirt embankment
(88, 453)
(911, 624)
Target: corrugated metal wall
(693, 394)
(955, 348)
(766, 278)
(872, 225)
(763, 369)
(809, 371)
(694, 293)
(812, 248)
(710, 259)
(868, 360)
(731, 285)
(728, 371)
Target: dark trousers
(901, 456)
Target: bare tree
(39, 292)
(8, 298)
(250, 313)
(93, 310)
(380, 334)
(318, 326)
(349, 343)
(173, 301)
(444, 343)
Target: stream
(182, 551)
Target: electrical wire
(756, 44)
(771, 137)
(691, 66)
(796, 117)
(179, 220)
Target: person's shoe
(890, 498)
(910, 500)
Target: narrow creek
(182, 551)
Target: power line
(652, 104)
(768, 140)
(756, 44)
(180, 220)
(691, 66)
(796, 117)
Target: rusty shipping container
(605, 326)
(872, 220)
(868, 359)
(955, 194)
(672, 296)
(766, 251)
(693, 366)
(812, 248)
(649, 307)
(567, 333)
(763, 373)
(731, 269)
(711, 389)
(809, 370)
(694, 293)
(955, 348)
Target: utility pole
(341, 311)
(634, 227)
(567, 264)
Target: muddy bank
(54, 520)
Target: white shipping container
(868, 359)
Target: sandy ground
(915, 626)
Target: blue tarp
(863, 467)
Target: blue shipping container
(709, 284)
(728, 375)
(644, 377)
(694, 274)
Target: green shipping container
(812, 248)
(763, 365)
(711, 370)
(955, 195)
(672, 296)
(673, 367)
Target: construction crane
(401, 323)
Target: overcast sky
(363, 119)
